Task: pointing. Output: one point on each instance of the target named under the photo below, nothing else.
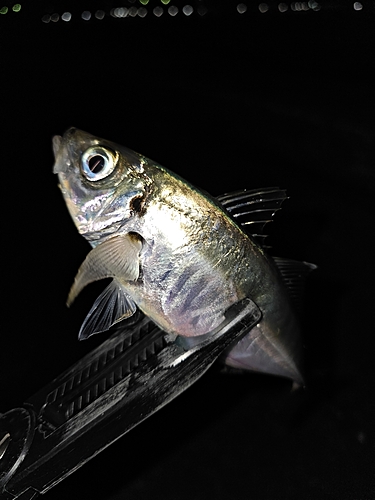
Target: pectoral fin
(112, 305)
(115, 257)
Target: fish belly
(189, 299)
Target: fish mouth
(61, 153)
(56, 144)
(63, 148)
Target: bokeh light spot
(187, 10)
(282, 7)
(99, 14)
(173, 10)
(202, 10)
(314, 5)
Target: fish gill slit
(137, 204)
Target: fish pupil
(96, 164)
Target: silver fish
(172, 251)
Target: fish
(180, 255)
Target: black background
(226, 101)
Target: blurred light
(173, 10)
(16, 7)
(158, 11)
(361, 437)
(55, 17)
(66, 16)
(314, 5)
(358, 6)
(142, 12)
(283, 7)
(187, 10)
(123, 11)
(3, 10)
(202, 10)
(99, 14)
(241, 8)
(144, 2)
(263, 7)
(86, 15)
(299, 6)
(46, 18)
(165, 2)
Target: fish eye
(98, 162)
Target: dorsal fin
(294, 273)
(252, 209)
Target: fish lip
(61, 146)
(61, 153)
(56, 144)
(57, 147)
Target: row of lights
(16, 8)
(172, 10)
(121, 12)
(294, 6)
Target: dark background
(227, 101)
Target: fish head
(104, 185)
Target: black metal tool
(126, 379)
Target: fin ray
(112, 305)
(252, 209)
(115, 257)
(294, 273)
